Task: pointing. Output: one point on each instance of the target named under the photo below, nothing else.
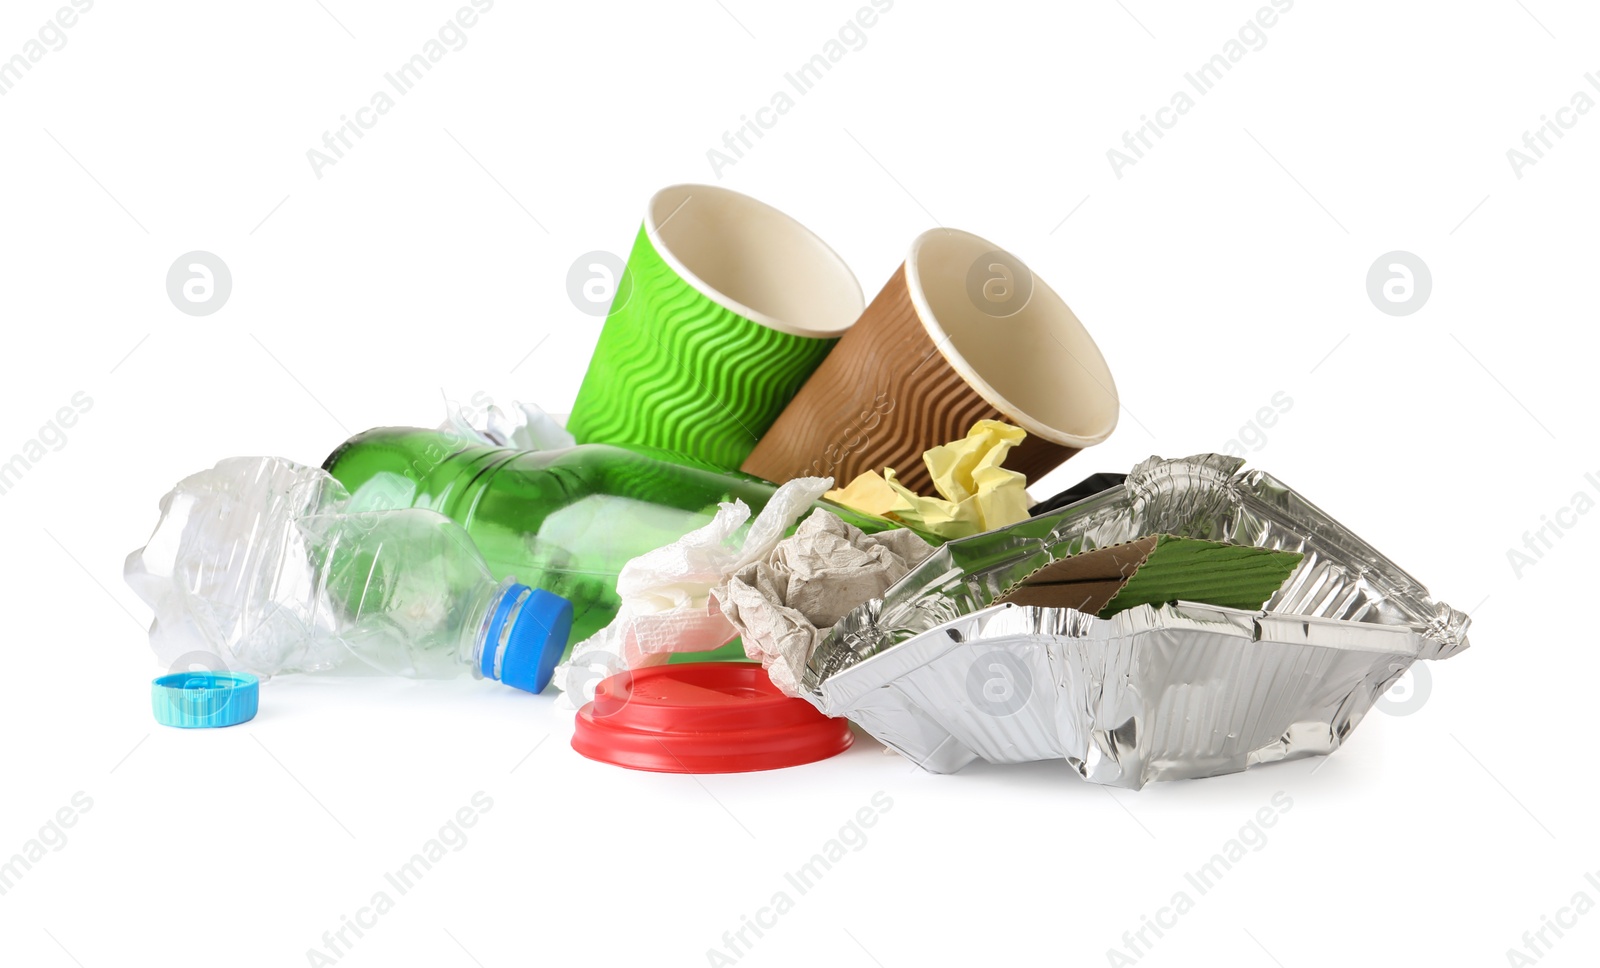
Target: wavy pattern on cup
(886, 395)
(676, 371)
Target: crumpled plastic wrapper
(1153, 693)
(523, 426)
(1208, 496)
(784, 604)
(666, 593)
(975, 493)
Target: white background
(1227, 265)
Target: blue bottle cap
(194, 700)
(526, 637)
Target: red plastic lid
(703, 717)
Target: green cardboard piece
(1157, 569)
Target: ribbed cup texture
(884, 396)
(676, 371)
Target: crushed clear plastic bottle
(260, 563)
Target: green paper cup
(726, 306)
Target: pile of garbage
(776, 509)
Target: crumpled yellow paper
(976, 493)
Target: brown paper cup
(963, 331)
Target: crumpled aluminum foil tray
(1209, 497)
(1183, 690)
(1153, 693)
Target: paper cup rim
(665, 253)
(945, 344)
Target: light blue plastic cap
(197, 700)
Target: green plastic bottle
(565, 520)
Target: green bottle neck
(440, 470)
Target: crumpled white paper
(667, 603)
(522, 426)
(785, 603)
